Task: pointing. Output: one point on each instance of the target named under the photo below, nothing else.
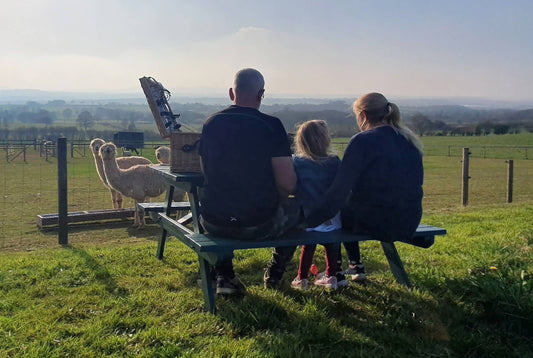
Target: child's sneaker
(329, 282)
(341, 279)
(357, 272)
(298, 284)
(229, 286)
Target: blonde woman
(381, 174)
(316, 169)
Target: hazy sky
(308, 48)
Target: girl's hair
(312, 140)
(379, 110)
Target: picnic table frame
(212, 249)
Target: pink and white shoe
(298, 284)
(329, 282)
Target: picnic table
(212, 249)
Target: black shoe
(229, 286)
(271, 282)
(357, 271)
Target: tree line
(81, 121)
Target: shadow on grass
(479, 315)
(373, 318)
(101, 273)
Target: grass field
(107, 295)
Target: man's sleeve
(280, 141)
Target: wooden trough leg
(395, 263)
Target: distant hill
(429, 115)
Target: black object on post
(466, 175)
(62, 202)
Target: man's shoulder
(238, 111)
(246, 113)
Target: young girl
(316, 169)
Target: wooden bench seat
(212, 249)
(154, 208)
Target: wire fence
(29, 182)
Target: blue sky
(304, 48)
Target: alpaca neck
(100, 168)
(111, 169)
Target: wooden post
(466, 177)
(510, 181)
(62, 191)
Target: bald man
(249, 174)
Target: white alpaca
(123, 163)
(138, 182)
(163, 155)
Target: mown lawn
(473, 298)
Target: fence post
(466, 177)
(510, 181)
(62, 190)
(72, 149)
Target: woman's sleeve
(352, 165)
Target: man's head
(248, 88)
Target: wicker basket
(184, 157)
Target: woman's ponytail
(394, 119)
(379, 110)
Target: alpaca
(138, 182)
(123, 163)
(163, 155)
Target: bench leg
(207, 285)
(163, 239)
(395, 263)
(161, 245)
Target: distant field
(508, 146)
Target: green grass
(107, 295)
(472, 298)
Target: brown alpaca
(163, 155)
(138, 182)
(123, 163)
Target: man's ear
(231, 94)
(260, 95)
